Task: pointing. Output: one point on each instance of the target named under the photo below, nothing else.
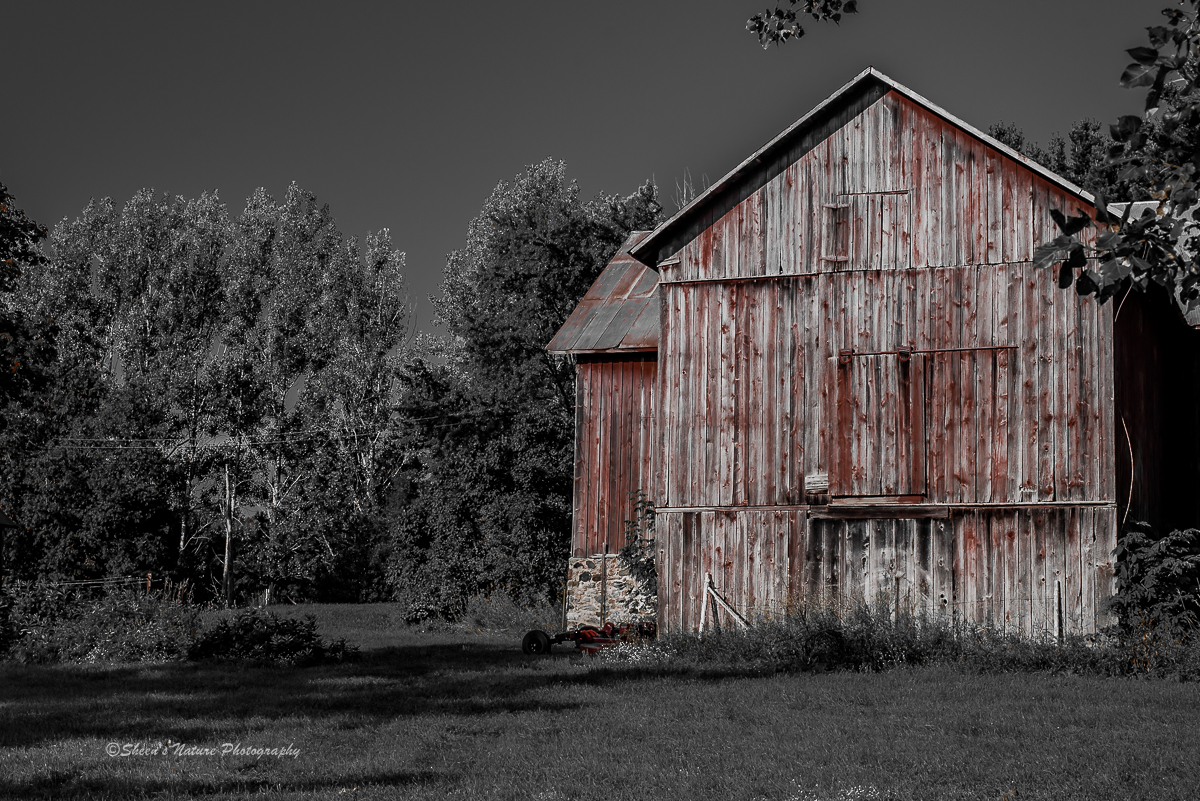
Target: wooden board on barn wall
(1012, 568)
(977, 408)
(614, 456)
(1016, 569)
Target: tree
(287, 264)
(485, 500)
(26, 343)
(778, 25)
(1161, 147)
(26, 349)
(232, 381)
(135, 295)
(327, 536)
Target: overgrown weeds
(856, 636)
(499, 612)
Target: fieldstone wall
(625, 601)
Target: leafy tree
(327, 538)
(1081, 158)
(486, 498)
(140, 292)
(27, 352)
(135, 296)
(287, 260)
(26, 344)
(778, 25)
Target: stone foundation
(625, 601)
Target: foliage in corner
(776, 26)
(638, 553)
(1158, 582)
(1159, 245)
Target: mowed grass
(455, 715)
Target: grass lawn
(455, 715)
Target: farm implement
(588, 639)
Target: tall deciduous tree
(488, 496)
(26, 352)
(26, 344)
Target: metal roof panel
(612, 306)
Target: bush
(1158, 583)
(255, 635)
(49, 623)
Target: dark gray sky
(400, 115)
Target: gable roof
(618, 313)
(788, 147)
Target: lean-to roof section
(788, 147)
(619, 313)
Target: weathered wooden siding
(1013, 568)
(912, 189)
(871, 313)
(1004, 398)
(613, 447)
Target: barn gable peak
(802, 136)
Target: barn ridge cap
(776, 155)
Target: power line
(124, 443)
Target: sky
(405, 115)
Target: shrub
(48, 623)
(255, 635)
(1158, 583)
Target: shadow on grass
(63, 784)
(191, 702)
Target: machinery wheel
(536, 642)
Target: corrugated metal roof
(775, 156)
(619, 311)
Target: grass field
(458, 715)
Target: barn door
(879, 418)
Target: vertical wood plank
(1039, 618)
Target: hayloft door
(879, 444)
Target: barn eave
(619, 313)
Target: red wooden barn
(836, 372)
